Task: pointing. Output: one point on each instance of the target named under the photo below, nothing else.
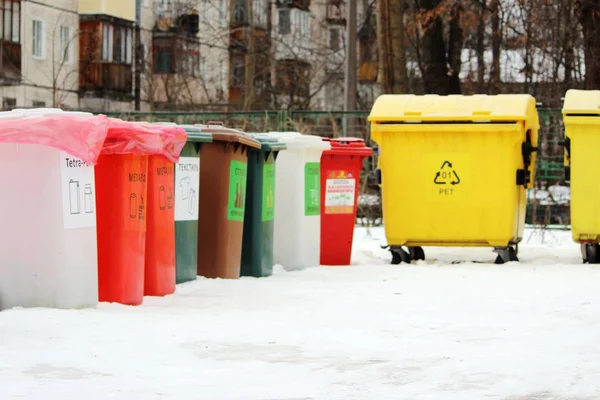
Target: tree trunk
(399, 73)
(496, 43)
(392, 74)
(588, 14)
(435, 66)
(455, 46)
(481, 48)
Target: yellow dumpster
(454, 170)
(581, 116)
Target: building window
(223, 13)
(164, 8)
(39, 104)
(65, 43)
(334, 39)
(108, 33)
(203, 70)
(259, 9)
(175, 55)
(117, 45)
(240, 11)
(8, 103)
(10, 20)
(38, 49)
(284, 23)
(366, 50)
(238, 73)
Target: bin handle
(215, 123)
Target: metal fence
(548, 202)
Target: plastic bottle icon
(133, 205)
(88, 199)
(170, 198)
(74, 201)
(162, 198)
(236, 203)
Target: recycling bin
(187, 192)
(257, 244)
(48, 254)
(122, 206)
(223, 172)
(454, 170)
(297, 223)
(341, 169)
(160, 260)
(581, 109)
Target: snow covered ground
(433, 330)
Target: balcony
(10, 62)
(301, 4)
(105, 78)
(336, 12)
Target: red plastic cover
(80, 135)
(143, 138)
(348, 146)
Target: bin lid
(220, 133)
(195, 134)
(431, 107)
(585, 102)
(298, 140)
(349, 146)
(268, 142)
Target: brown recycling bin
(223, 171)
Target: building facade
(39, 65)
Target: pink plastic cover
(143, 138)
(79, 135)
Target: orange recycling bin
(121, 177)
(160, 264)
(341, 169)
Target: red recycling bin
(122, 201)
(160, 264)
(340, 181)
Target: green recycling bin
(257, 242)
(187, 192)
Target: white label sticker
(187, 188)
(339, 196)
(78, 192)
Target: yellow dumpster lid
(581, 102)
(429, 108)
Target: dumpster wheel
(590, 253)
(399, 255)
(416, 253)
(505, 254)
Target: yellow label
(447, 176)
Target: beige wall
(50, 78)
(124, 9)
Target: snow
(432, 330)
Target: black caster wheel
(416, 253)
(399, 256)
(592, 253)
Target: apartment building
(39, 53)
(106, 34)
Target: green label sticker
(237, 190)
(268, 195)
(312, 188)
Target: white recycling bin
(297, 222)
(48, 253)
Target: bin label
(78, 192)
(268, 195)
(340, 191)
(448, 176)
(312, 188)
(187, 188)
(237, 190)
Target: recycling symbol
(446, 175)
